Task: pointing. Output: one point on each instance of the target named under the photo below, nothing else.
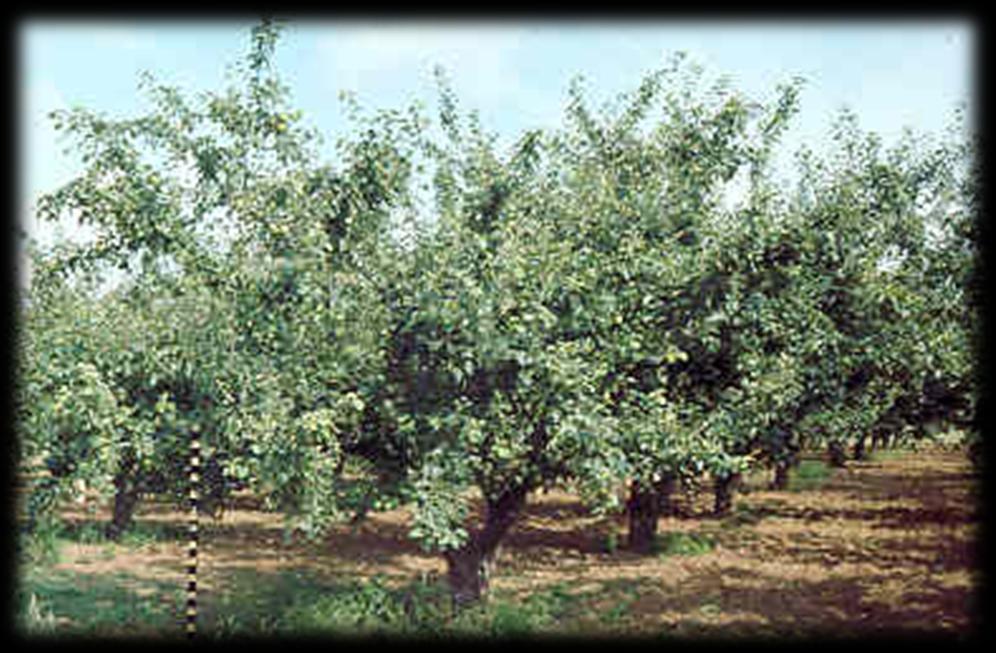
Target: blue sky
(892, 74)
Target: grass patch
(41, 547)
(610, 543)
(809, 475)
(354, 608)
(297, 603)
(615, 615)
(744, 516)
(614, 610)
(882, 455)
(683, 544)
(139, 534)
(424, 610)
(710, 609)
(88, 532)
(96, 605)
(35, 616)
(142, 534)
(510, 618)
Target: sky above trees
(892, 74)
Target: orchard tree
(148, 368)
(485, 387)
(901, 324)
(331, 337)
(680, 273)
(68, 417)
(164, 343)
(642, 204)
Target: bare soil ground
(886, 545)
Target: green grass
(610, 543)
(138, 534)
(52, 601)
(809, 475)
(710, 609)
(41, 548)
(424, 610)
(84, 533)
(292, 602)
(297, 603)
(35, 615)
(683, 544)
(881, 455)
(744, 515)
(146, 533)
(505, 618)
(615, 615)
(358, 607)
(622, 594)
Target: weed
(36, 618)
(41, 545)
(145, 533)
(611, 542)
(514, 619)
(370, 607)
(685, 544)
(710, 609)
(227, 625)
(94, 605)
(745, 516)
(85, 533)
(882, 455)
(424, 609)
(616, 613)
(809, 475)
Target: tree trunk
(725, 486)
(975, 454)
(125, 501)
(643, 508)
(665, 489)
(883, 439)
(467, 573)
(781, 480)
(860, 453)
(469, 568)
(838, 458)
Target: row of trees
(430, 317)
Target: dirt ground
(883, 546)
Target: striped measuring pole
(195, 469)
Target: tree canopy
(582, 308)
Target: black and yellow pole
(195, 468)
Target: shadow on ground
(881, 547)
